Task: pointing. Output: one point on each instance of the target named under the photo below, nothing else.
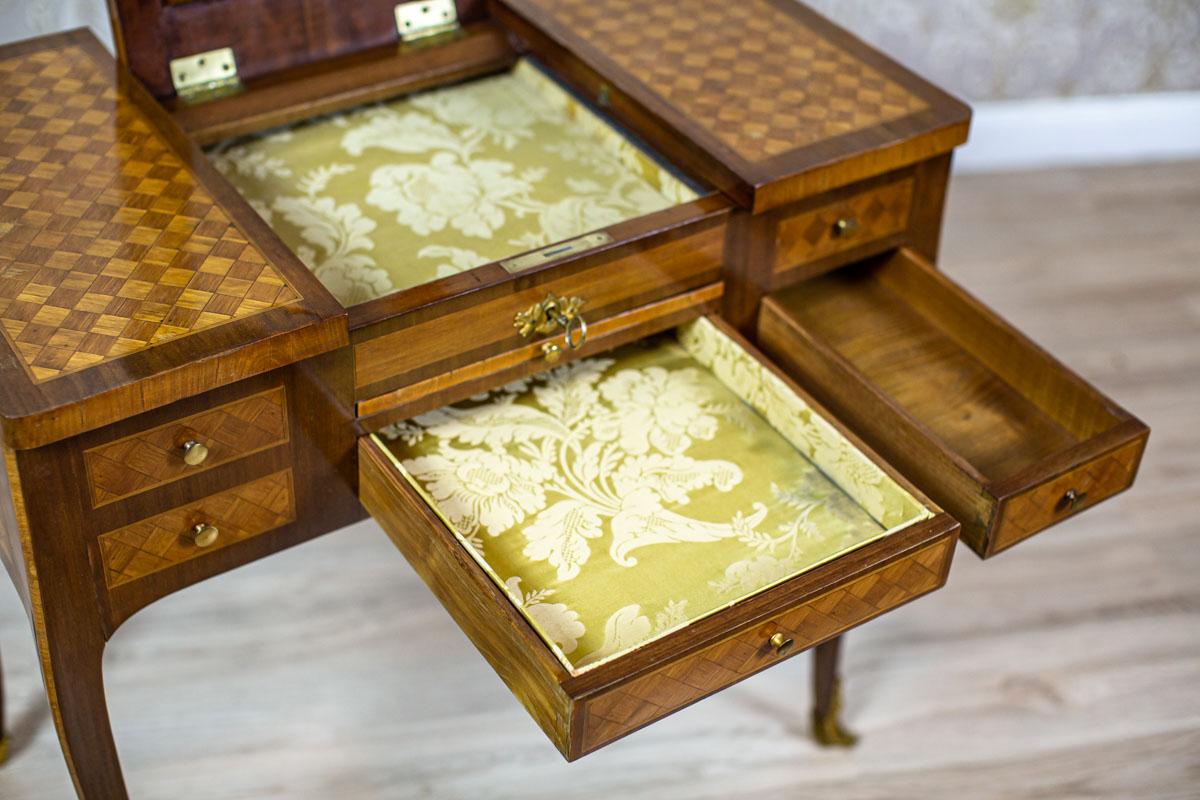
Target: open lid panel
(766, 99)
(131, 274)
(266, 36)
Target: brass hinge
(205, 75)
(422, 18)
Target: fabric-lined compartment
(397, 194)
(619, 498)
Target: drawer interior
(402, 193)
(977, 409)
(619, 498)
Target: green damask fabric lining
(618, 498)
(397, 194)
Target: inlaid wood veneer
(108, 245)
(151, 458)
(642, 700)
(814, 234)
(161, 541)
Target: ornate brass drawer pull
(204, 535)
(549, 315)
(781, 643)
(194, 453)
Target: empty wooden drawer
(190, 445)
(625, 534)
(997, 431)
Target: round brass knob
(551, 351)
(204, 535)
(781, 643)
(845, 227)
(194, 453)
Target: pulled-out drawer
(997, 431)
(625, 534)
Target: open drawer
(997, 431)
(623, 535)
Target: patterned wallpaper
(1007, 49)
(980, 49)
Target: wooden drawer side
(161, 541)
(151, 458)
(622, 710)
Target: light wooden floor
(1067, 668)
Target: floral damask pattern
(397, 194)
(676, 473)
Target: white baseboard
(1029, 134)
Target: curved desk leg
(75, 688)
(827, 697)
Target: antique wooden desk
(624, 326)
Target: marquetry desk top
(118, 262)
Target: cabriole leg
(827, 697)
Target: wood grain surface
(1065, 667)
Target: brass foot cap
(829, 732)
(3, 749)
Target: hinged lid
(131, 274)
(780, 102)
(265, 36)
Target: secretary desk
(622, 318)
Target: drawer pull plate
(572, 247)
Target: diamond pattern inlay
(161, 541)
(108, 245)
(151, 458)
(645, 699)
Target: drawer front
(642, 700)
(854, 222)
(164, 540)
(439, 343)
(1036, 509)
(155, 457)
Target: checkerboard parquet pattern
(751, 74)
(645, 699)
(159, 542)
(108, 245)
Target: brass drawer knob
(781, 643)
(194, 453)
(204, 535)
(845, 227)
(1072, 500)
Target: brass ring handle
(845, 227)
(194, 453)
(204, 535)
(576, 324)
(781, 643)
